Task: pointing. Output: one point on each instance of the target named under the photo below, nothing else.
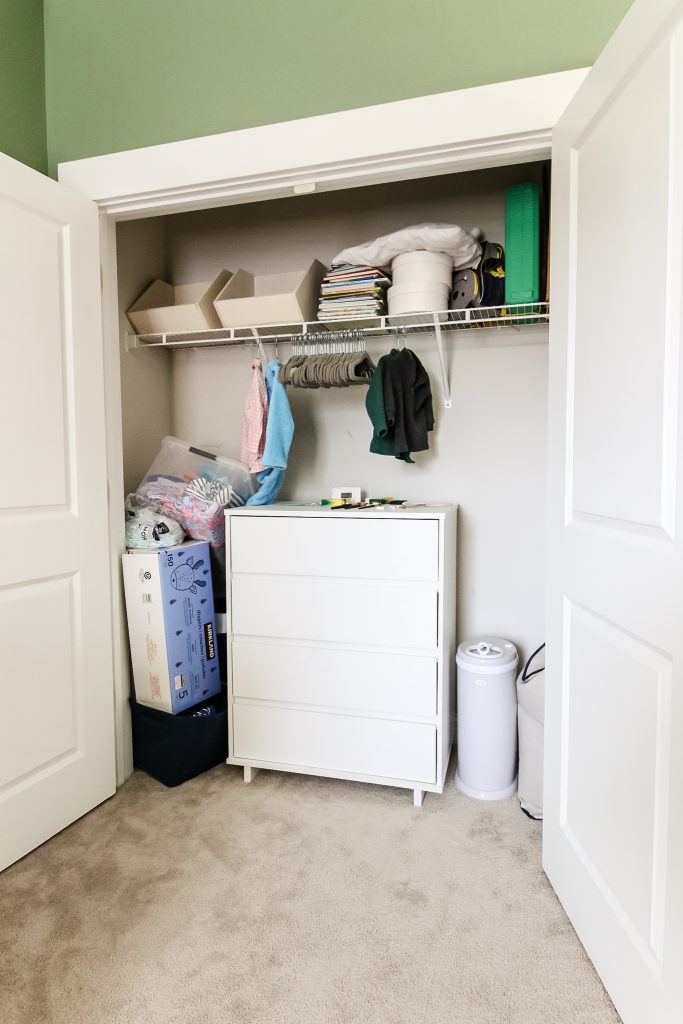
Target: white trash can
(487, 718)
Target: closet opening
(487, 453)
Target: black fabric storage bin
(175, 748)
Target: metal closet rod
(324, 338)
(331, 338)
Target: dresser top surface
(428, 510)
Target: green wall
(128, 73)
(22, 82)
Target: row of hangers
(327, 346)
(327, 359)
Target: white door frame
(468, 129)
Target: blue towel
(279, 433)
(270, 482)
(280, 425)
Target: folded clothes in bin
(175, 748)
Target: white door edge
(115, 496)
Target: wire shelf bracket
(447, 399)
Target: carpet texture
(291, 901)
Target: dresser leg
(418, 795)
(249, 774)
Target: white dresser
(341, 639)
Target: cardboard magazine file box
(165, 308)
(289, 298)
(171, 625)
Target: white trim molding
(485, 126)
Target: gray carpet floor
(291, 901)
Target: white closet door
(56, 688)
(613, 832)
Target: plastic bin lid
(487, 652)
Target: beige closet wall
(487, 454)
(488, 451)
(146, 376)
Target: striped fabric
(214, 492)
(253, 438)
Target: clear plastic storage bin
(194, 487)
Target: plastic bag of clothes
(148, 529)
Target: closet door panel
(612, 829)
(335, 611)
(364, 549)
(345, 743)
(364, 681)
(57, 757)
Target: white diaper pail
(487, 718)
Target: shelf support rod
(448, 401)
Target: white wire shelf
(531, 314)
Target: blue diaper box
(171, 625)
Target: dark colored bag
(492, 272)
(484, 286)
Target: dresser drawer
(363, 549)
(343, 743)
(335, 611)
(362, 681)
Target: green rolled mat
(522, 243)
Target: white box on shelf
(291, 298)
(420, 298)
(422, 267)
(164, 308)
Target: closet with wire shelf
(491, 369)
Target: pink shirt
(254, 422)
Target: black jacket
(407, 403)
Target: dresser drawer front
(362, 681)
(343, 743)
(335, 611)
(362, 549)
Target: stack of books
(352, 292)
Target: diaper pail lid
(487, 652)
